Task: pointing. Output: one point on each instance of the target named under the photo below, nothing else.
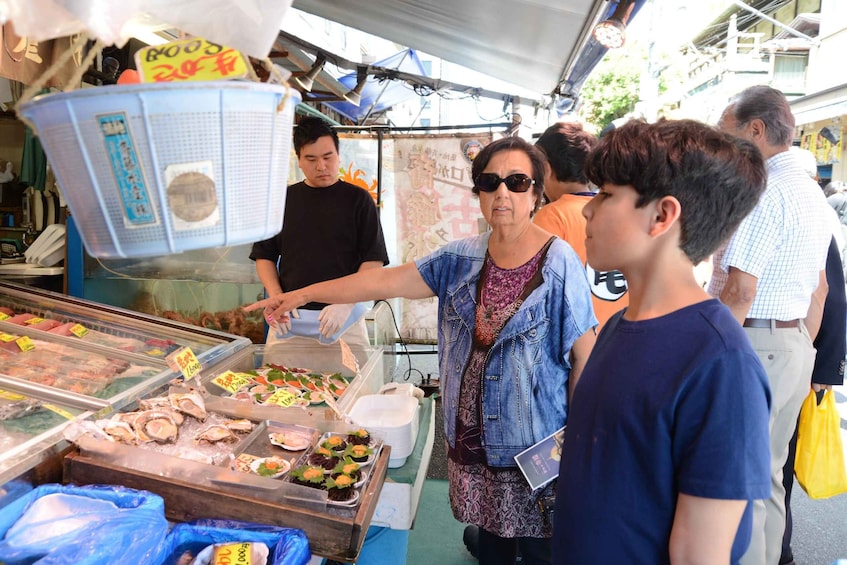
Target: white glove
(332, 317)
(280, 327)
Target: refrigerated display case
(77, 359)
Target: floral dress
(498, 500)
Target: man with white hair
(771, 276)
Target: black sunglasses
(489, 182)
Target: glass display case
(64, 359)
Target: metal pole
(788, 28)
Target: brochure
(540, 463)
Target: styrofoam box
(394, 417)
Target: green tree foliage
(612, 89)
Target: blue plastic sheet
(91, 525)
(289, 546)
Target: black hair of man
(536, 158)
(766, 104)
(716, 177)
(566, 146)
(310, 129)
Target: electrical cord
(408, 374)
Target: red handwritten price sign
(184, 361)
(189, 59)
(232, 382)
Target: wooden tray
(334, 533)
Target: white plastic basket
(152, 169)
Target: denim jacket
(525, 385)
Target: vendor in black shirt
(331, 229)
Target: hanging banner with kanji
(24, 59)
(435, 205)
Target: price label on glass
(232, 382)
(79, 330)
(281, 398)
(25, 343)
(184, 361)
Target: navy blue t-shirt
(674, 404)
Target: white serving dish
(394, 418)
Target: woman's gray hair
(770, 106)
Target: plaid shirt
(783, 243)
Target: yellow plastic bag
(820, 457)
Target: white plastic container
(394, 417)
(153, 169)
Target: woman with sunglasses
(515, 329)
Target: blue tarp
(394, 92)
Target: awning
(823, 105)
(541, 45)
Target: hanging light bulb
(308, 80)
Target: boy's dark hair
(766, 104)
(310, 129)
(512, 144)
(716, 177)
(566, 146)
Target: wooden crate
(335, 534)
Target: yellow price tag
(79, 330)
(184, 361)
(35, 320)
(11, 396)
(4, 316)
(232, 382)
(155, 353)
(281, 398)
(189, 59)
(25, 343)
(60, 411)
(7, 338)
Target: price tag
(281, 398)
(4, 316)
(184, 361)
(25, 343)
(155, 353)
(60, 411)
(189, 59)
(7, 338)
(232, 382)
(35, 320)
(11, 396)
(79, 330)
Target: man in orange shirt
(566, 187)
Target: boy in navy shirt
(667, 438)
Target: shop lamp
(611, 33)
(354, 96)
(306, 81)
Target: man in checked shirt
(771, 276)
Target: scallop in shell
(290, 441)
(241, 426)
(215, 434)
(118, 430)
(190, 403)
(162, 403)
(155, 425)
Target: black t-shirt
(326, 233)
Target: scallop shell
(190, 403)
(284, 466)
(155, 425)
(215, 434)
(118, 430)
(242, 426)
(162, 403)
(289, 441)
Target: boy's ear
(667, 212)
